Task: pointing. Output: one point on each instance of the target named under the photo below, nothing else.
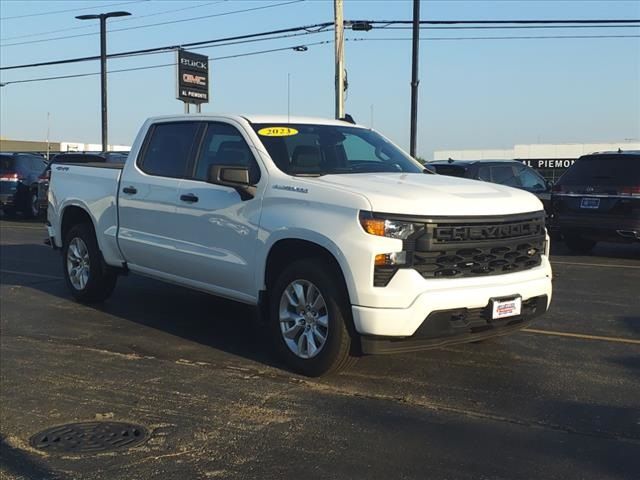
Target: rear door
(600, 185)
(148, 197)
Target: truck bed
(94, 188)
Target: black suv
(74, 157)
(505, 172)
(598, 199)
(19, 174)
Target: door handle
(130, 190)
(189, 197)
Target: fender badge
(290, 188)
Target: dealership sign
(193, 77)
(540, 163)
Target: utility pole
(414, 78)
(103, 65)
(48, 131)
(339, 45)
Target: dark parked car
(19, 173)
(505, 172)
(73, 157)
(598, 199)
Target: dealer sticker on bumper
(506, 308)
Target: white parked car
(346, 244)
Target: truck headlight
(382, 227)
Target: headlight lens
(386, 228)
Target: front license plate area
(506, 307)
(590, 203)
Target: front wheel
(86, 276)
(309, 317)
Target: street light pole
(103, 66)
(414, 78)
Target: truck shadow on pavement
(168, 309)
(18, 464)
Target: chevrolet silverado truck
(345, 244)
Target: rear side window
(169, 148)
(450, 170)
(604, 170)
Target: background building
(8, 145)
(551, 160)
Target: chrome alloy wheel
(304, 318)
(78, 265)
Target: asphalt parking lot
(561, 400)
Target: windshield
(300, 149)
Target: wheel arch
(73, 215)
(285, 250)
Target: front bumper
(461, 325)
(446, 294)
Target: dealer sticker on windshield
(506, 308)
(277, 132)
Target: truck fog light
(394, 258)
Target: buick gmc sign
(193, 77)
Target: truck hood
(434, 195)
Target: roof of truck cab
(261, 119)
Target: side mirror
(549, 184)
(233, 176)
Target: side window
(224, 145)
(484, 173)
(532, 181)
(504, 175)
(168, 150)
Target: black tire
(101, 280)
(30, 208)
(579, 244)
(335, 354)
(10, 213)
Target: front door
(216, 230)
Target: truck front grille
(479, 261)
(472, 247)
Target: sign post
(192, 79)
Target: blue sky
(473, 93)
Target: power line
(515, 27)
(318, 27)
(496, 22)
(149, 67)
(70, 10)
(531, 37)
(323, 42)
(116, 20)
(170, 22)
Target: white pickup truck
(346, 244)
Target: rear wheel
(309, 315)
(86, 275)
(31, 208)
(579, 244)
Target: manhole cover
(89, 437)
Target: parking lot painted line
(26, 227)
(583, 336)
(594, 264)
(29, 274)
